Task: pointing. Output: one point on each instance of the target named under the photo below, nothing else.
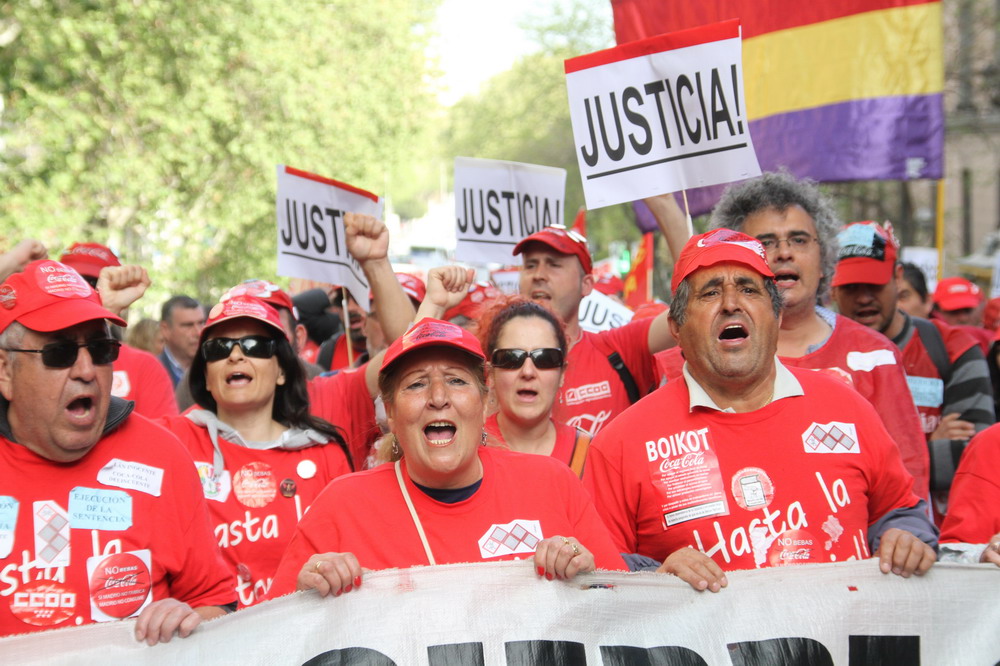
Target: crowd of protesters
(805, 398)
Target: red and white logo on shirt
(588, 392)
(832, 437)
(517, 536)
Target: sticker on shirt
(587, 393)
(132, 476)
(43, 603)
(306, 469)
(832, 437)
(517, 536)
(868, 361)
(120, 584)
(833, 529)
(752, 488)
(685, 470)
(214, 487)
(100, 509)
(927, 391)
(51, 534)
(120, 385)
(8, 521)
(254, 485)
(794, 547)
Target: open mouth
(238, 378)
(80, 406)
(527, 394)
(540, 295)
(440, 433)
(734, 332)
(785, 278)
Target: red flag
(639, 281)
(580, 223)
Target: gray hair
(678, 307)
(12, 335)
(780, 191)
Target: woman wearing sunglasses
(526, 347)
(445, 498)
(262, 458)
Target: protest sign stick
(347, 326)
(687, 214)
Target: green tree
(155, 126)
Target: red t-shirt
(259, 500)
(139, 376)
(128, 516)
(974, 503)
(592, 391)
(523, 498)
(799, 480)
(343, 400)
(565, 438)
(917, 362)
(872, 364)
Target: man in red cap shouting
(606, 371)
(101, 516)
(742, 462)
(945, 368)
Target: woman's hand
(696, 569)
(562, 557)
(992, 552)
(328, 573)
(160, 620)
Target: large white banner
(311, 241)
(498, 203)
(493, 614)
(661, 115)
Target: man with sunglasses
(798, 228)
(607, 371)
(743, 462)
(101, 516)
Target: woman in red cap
(262, 458)
(446, 497)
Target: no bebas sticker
(661, 115)
(498, 203)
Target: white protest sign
(311, 241)
(600, 313)
(507, 280)
(926, 259)
(843, 613)
(661, 115)
(498, 203)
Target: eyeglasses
(796, 243)
(254, 346)
(63, 354)
(544, 358)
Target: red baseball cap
(717, 247)
(413, 286)
(266, 291)
(957, 293)
(89, 258)
(243, 306)
(49, 296)
(563, 241)
(991, 314)
(867, 254)
(480, 295)
(430, 332)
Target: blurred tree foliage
(155, 126)
(523, 114)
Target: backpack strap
(934, 343)
(579, 456)
(631, 389)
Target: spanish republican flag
(835, 89)
(639, 281)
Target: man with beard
(946, 370)
(743, 462)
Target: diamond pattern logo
(518, 536)
(833, 437)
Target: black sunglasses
(544, 358)
(63, 354)
(254, 346)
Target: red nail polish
(348, 588)
(548, 576)
(357, 581)
(541, 571)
